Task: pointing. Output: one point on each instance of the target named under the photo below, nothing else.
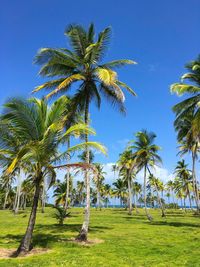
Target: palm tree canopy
(83, 65)
(145, 152)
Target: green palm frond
(118, 63)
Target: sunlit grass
(128, 240)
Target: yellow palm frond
(107, 76)
(66, 83)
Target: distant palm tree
(83, 65)
(170, 187)
(137, 189)
(183, 180)
(126, 171)
(98, 181)
(157, 186)
(119, 190)
(146, 156)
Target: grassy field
(128, 240)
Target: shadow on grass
(176, 224)
(47, 239)
(56, 228)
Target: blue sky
(160, 35)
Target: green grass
(128, 240)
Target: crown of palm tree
(83, 65)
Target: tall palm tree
(146, 156)
(39, 130)
(83, 65)
(188, 116)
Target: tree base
(149, 217)
(82, 237)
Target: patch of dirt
(88, 243)
(8, 253)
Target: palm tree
(39, 130)
(80, 191)
(146, 156)
(98, 181)
(170, 187)
(83, 65)
(107, 192)
(137, 188)
(157, 186)
(114, 169)
(184, 179)
(126, 170)
(188, 116)
(60, 193)
(119, 190)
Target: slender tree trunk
(194, 181)
(43, 196)
(135, 203)
(130, 195)
(149, 217)
(184, 204)
(84, 230)
(5, 199)
(98, 200)
(18, 198)
(25, 244)
(67, 178)
(24, 205)
(160, 203)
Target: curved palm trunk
(84, 230)
(25, 244)
(194, 182)
(149, 217)
(130, 195)
(67, 179)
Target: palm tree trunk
(184, 204)
(43, 197)
(25, 244)
(24, 204)
(84, 230)
(130, 195)
(145, 197)
(18, 198)
(5, 199)
(98, 199)
(194, 181)
(136, 202)
(67, 179)
(160, 203)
